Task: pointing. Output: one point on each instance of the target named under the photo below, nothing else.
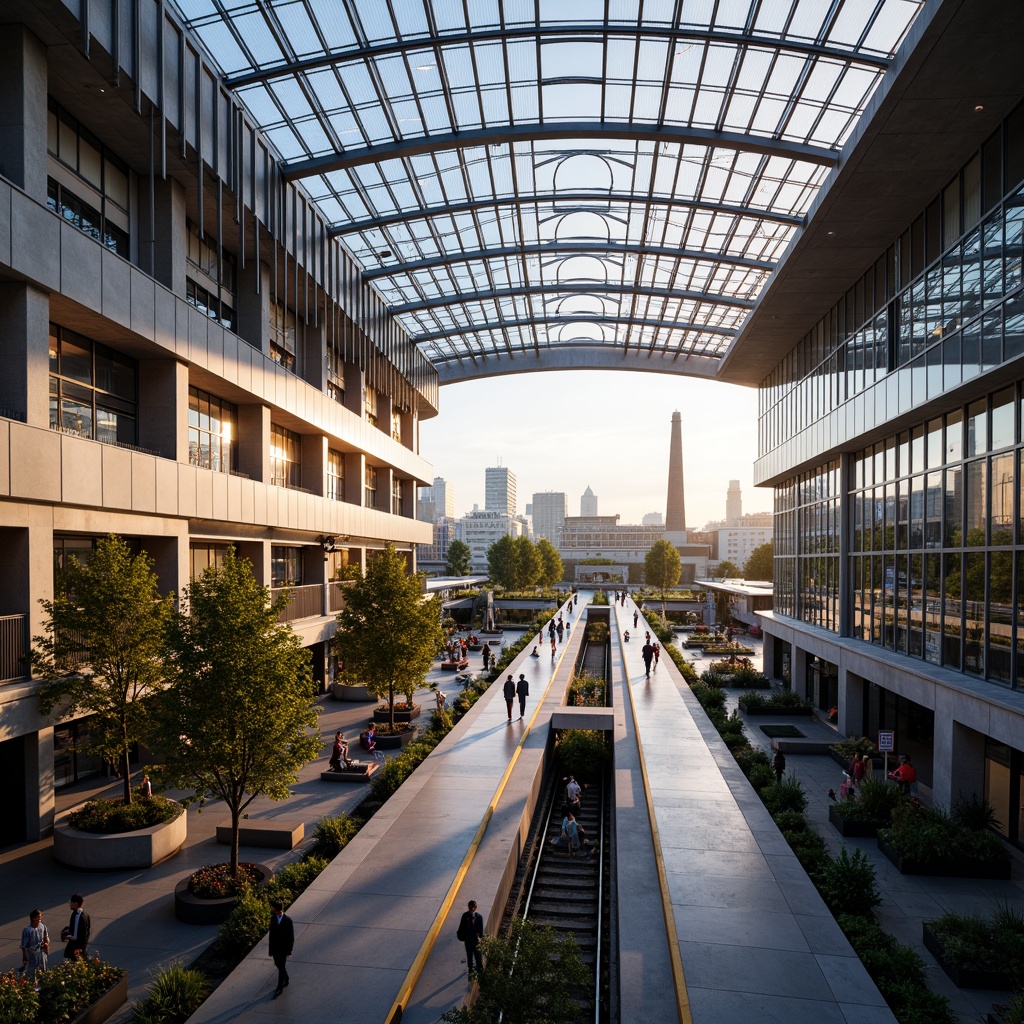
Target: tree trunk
(126, 777)
(234, 841)
(391, 705)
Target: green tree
(662, 568)
(761, 563)
(551, 567)
(101, 654)
(533, 977)
(235, 723)
(528, 563)
(388, 634)
(728, 570)
(502, 562)
(459, 559)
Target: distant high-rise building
(733, 504)
(652, 519)
(549, 512)
(436, 502)
(481, 529)
(675, 515)
(588, 503)
(500, 490)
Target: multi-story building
(733, 504)
(889, 349)
(216, 371)
(653, 519)
(588, 503)
(500, 490)
(549, 509)
(436, 502)
(480, 529)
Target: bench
(455, 666)
(359, 771)
(279, 833)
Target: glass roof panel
(643, 166)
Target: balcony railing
(336, 596)
(13, 648)
(303, 602)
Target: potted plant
(979, 953)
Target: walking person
(523, 691)
(281, 944)
(648, 655)
(35, 945)
(559, 629)
(471, 931)
(657, 652)
(486, 654)
(145, 788)
(79, 929)
(779, 765)
(636, 618)
(509, 693)
(553, 648)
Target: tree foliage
(235, 724)
(662, 566)
(533, 977)
(528, 565)
(761, 563)
(551, 568)
(101, 651)
(502, 562)
(459, 559)
(388, 634)
(728, 569)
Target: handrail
(13, 648)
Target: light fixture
(327, 543)
(978, 107)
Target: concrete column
(168, 231)
(958, 764)
(409, 431)
(354, 380)
(314, 463)
(24, 353)
(768, 654)
(798, 670)
(254, 442)
(312, 342)
(385, 476)
(163, 405)
(39, 802)
(254, 310)
(845, 624)
(171, 561)
(23, 91)
(850, 703)
(27, 556)
(384, 416)
(355, 478)
(258, 553)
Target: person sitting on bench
(339, 753)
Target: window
(201, 252)
(285, 567)
(282, 336)
(206, 556)
(208, 303)
(396, 424)
(92, 389)
(371, 486)
(285, 461)
(397, 505)
(335, 475)
(211, 431)
(370, 405)
(88, 220)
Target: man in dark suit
(471, 931)
(282, 941)
(79, 928)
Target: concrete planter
(193, 910)
(400, 716)
(107, 1004)
(994, 870)
(350, 694)
(397, 741)
(798, 712)
(91, 851)
(964, 977)
(852, 829)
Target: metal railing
(13, 648)
(303, 602)
(335, 597)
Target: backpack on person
(465, 929)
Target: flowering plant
(18, 1001)
(68, 987)
(214, 882)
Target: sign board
(886, 741)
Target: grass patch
(782, 732)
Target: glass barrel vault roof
(535, 183)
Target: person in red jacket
(905, 775)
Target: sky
(609, 430)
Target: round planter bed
(400, 716)
(397, 741)
(194, 910)
(350, 694)
(144, 848)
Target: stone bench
(279, 833)
(454, 666)
(359, 771)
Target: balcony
(13, 648)
(303, 602)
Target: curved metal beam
(584, 248)
(576, 356)
(571, 318)
(572, 289)
(427, 212)
(583, 31)
(556, 131)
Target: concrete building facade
(588, 503)
(500, 490)
(186, 358)
(549, 509)
(480, 529)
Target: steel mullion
(476, 328)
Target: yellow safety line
(682, 995)
(414, 972)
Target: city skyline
(623, 457)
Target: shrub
(18, 1001)
(68, 987)
(761, 776)
(214, 881)
(587, 691)
(331, 835)
(597, 632)
(108, 817)
(931, 834)
(176, 994)
(854, 745)
(246, 925)
(975, 814)
(709, 697)
(292, 880)
(583, 752)
(978, 944)
(879, 798)
(1014, 1012)
(847, 884)
(748, 759)
(749, 679)
(808, 846)
(790, 821)
(787, 795)
(392, 774)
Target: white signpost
(886, 745)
